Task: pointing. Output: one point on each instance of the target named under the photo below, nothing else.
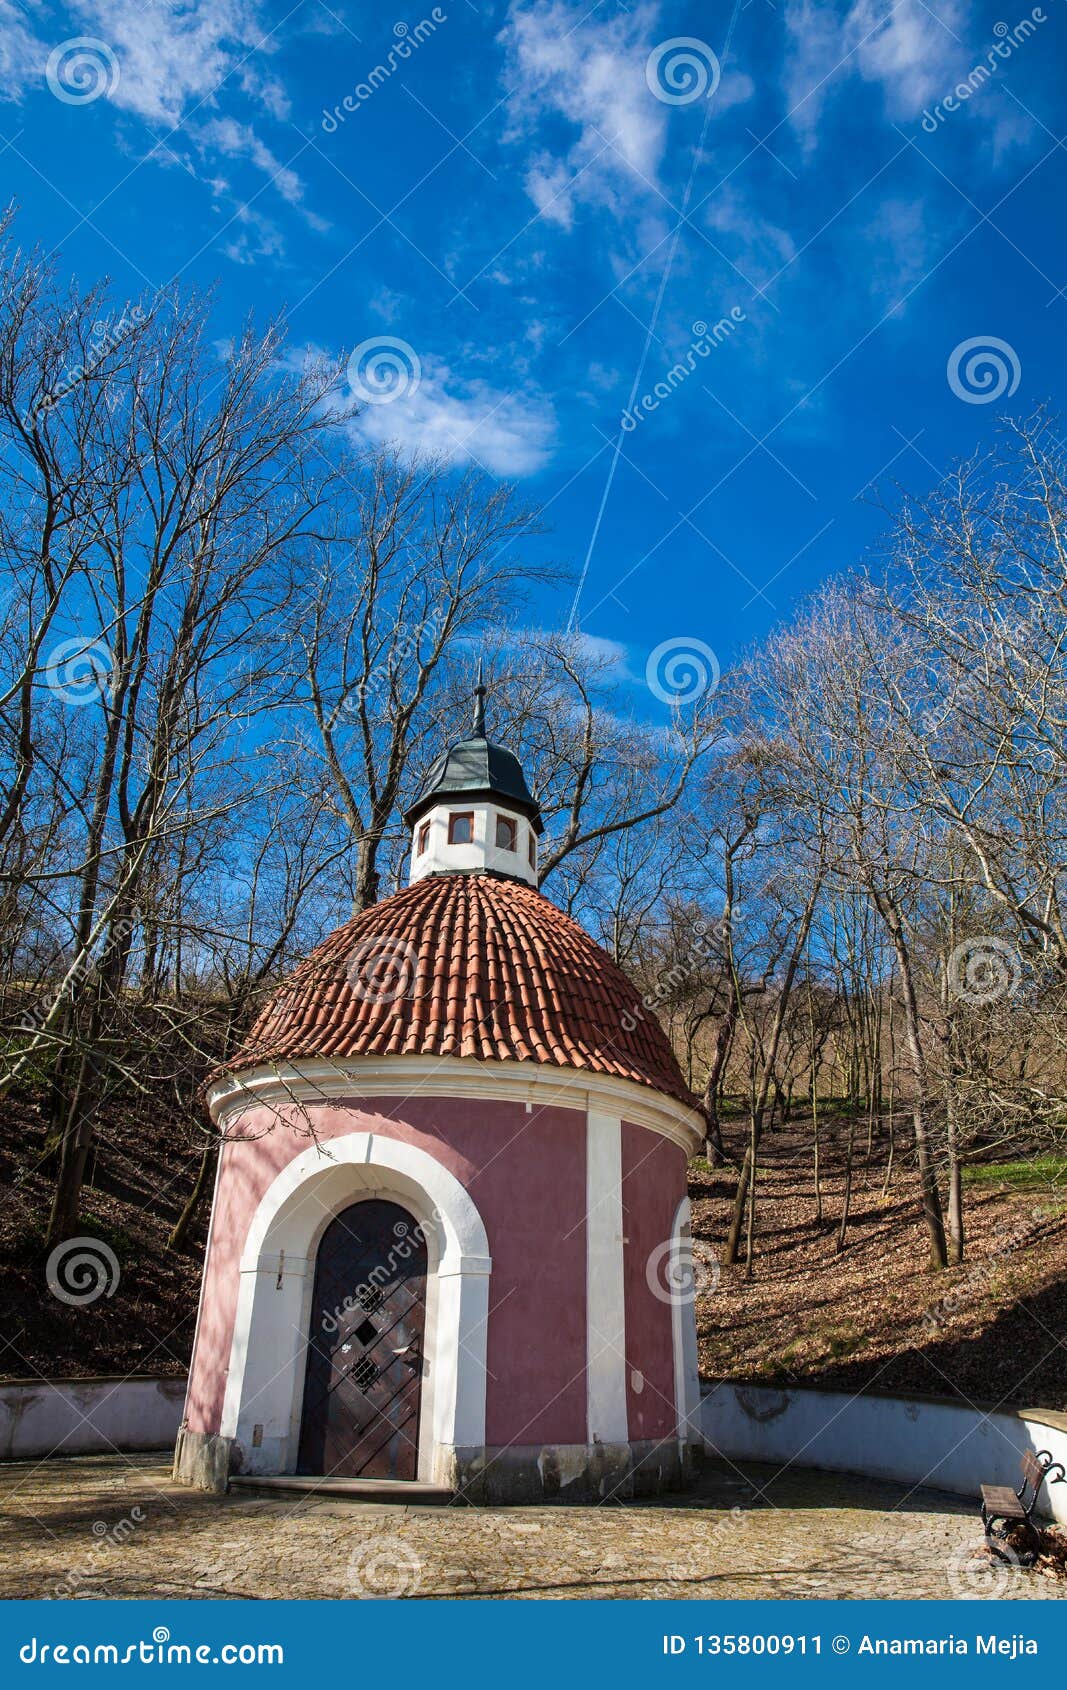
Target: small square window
(424, 837)
(461, 827)
(505, 833)
(364, 1373)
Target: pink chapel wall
(526, 1177)
(653, 1185)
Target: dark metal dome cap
(477, 768)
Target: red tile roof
(472, 966)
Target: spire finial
(479, 704)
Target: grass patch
(1036, 1175)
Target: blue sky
(511, 214)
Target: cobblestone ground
(119, 1527)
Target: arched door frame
(268, 1354)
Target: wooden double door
(363, 1388)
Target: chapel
(449, 1242)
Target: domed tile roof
(466, 965)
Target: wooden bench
(1004, 1508)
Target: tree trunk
(815, 1140)
(368, 880)
(931, 1201)
(724, 1039)
(759, 1104)
(846, 1200)
(180, 1234)
(955, 1173)
(737, 1217)
(750, 1233)
(892, 1117)
(73, 1155)
(713, 1145)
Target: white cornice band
(322, 1080)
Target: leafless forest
(232, 644)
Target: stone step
(402, 1491)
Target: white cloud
(1010, 128)
(239, 140)
(21, 55)
(175, 56)
(386, 304)
(252, 237)
(579, 97)
(566, 63)
(758, 248)
(611, 656)
(908, 50)
(901, 47)
(172, 56)
(509, 434)
(900, 248)
(169, 62)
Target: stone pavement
(118, 1526)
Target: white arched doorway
(265, 1380)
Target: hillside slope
(872, 1317)
(140, 1177)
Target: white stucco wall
(87, 1416)
(917, 1440)
(482, 852)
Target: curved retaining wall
(931, 1441)
(87, 1416)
